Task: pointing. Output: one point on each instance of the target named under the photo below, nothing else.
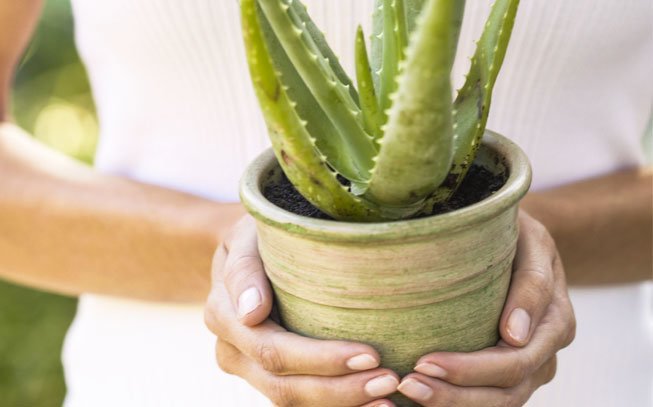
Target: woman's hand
(289, 369)
(537, 321)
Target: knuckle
(512, 379)
(538, 287)
(242, 268)
(218, 264)
(571, 331)
(541, 232)
(540, 281)
(269, 357)
(282, 393)
(514, 376)
(210, 318)
(508, 398)
(230, 236)
(225, 357)
(212, 315)
(550, 369)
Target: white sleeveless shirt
(176, 109)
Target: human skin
(537, 321)
(70, 229)
(603, 227)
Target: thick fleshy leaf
(413, 8)
(320, 41)
(416, 149)
(472, 105)
(410, 9)
(328, 140)
(376, 44)
(293, 145)
(394, 39)
(369, 103)
(333, 96)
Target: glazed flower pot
(409, 287)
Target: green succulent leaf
(402, 137)
(413, 8)
(316, 71)
(299, 10)
(328, 140)
(392, 50)
(416, 150)
(294, 147)
(376, 44)
(472, 105)
(369, 104)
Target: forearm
(603, 227)
(66, 228)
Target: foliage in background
(32, 327)
(51, 100)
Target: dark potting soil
(477, 185)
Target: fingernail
(381, 386)
(248, 301)
(519, 324)
(362, 362)
(415, 390)
(431, 369)
(381, 405)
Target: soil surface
(477, 185)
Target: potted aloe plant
(378, 161)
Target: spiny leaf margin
(295, 150)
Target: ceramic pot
(409, 287)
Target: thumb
(237, 263)
(532, 285)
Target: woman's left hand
(537, 321)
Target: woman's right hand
(290, 369)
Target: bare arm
(603, 227)
(69, 229)
(66, 228)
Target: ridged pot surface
(408, 288)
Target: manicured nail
(362, 362)
(415, 390)
(248, 301)
(431, 369)
(519, 324)
(381, 386)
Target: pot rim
(509, 194)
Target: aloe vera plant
(398, 143)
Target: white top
(176, 109)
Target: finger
(302, 390)
(380, 403)
(239, 265)
(435, 393)
(284, 353)
(532, 284)
(503, 366)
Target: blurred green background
(52, 100)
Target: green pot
(407, 288)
